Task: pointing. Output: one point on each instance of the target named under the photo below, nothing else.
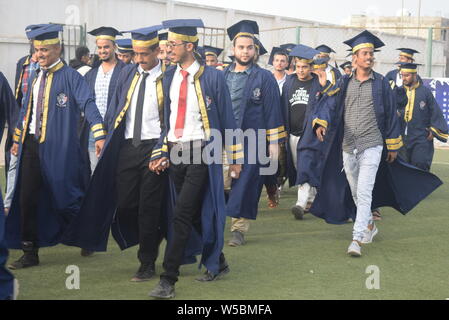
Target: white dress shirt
(151, 125)
(32, 129)
(193, 126)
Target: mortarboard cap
(45, 34)
(208, 50)
(275, 51)
(145, 37)
(323, 49)
(364, 39)
(304, 53)
(320, 63)
(163, 38)
(407, 52)
(105, 33)
(346, 64)
(260, 47)
(183, 29)
(243, 28)
(32, 27)
(408, 67)
(124, 45)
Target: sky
(333, 11)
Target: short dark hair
(81, 52)
(281, 54)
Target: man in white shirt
(198, 102)
(103, 78)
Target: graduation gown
(6, 278)
(91, 77)
(260, 110)
(216, 113)
(10, 109)
(397, 185)
(90, 229)
(64, 172)
(420, 115)
(309, 146)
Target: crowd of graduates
(93, 146)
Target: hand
(273, 150)
(320, 133)
(322, 77)
(391, 156)
(430, 136)
(159, 165)
(15, 149)
(99, 147)
(234, 170)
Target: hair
(281, 54)
(81, 52)
(243, 36)
(153, 47)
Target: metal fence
(433, 49)
(432, 44)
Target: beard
(243, 63)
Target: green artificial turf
(283, 259)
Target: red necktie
(182, 106)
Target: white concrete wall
(130, 14)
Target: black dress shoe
(163, 290)
(145, 273)
(209, 276)
(25, 261)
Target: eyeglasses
(174, 44)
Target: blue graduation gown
(6, 278)
(420, 115)
(91, 77)
(260, 110)
(216, 113)
(10, 109)
(397, 185)
(90, 229)
(64, 172)
(309, 147)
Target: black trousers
(189, 181)
(30, 187)
(139, 200)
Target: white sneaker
(369, 234)
(354, 249)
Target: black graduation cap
(243, 28)
(274, 51)
(324, 49)
(145, 37)
(260, 47)
(365, 39)
(208, 50)
(105, 33)
(45, 34)
(407, 52)
(124, 45)
(183, 29)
